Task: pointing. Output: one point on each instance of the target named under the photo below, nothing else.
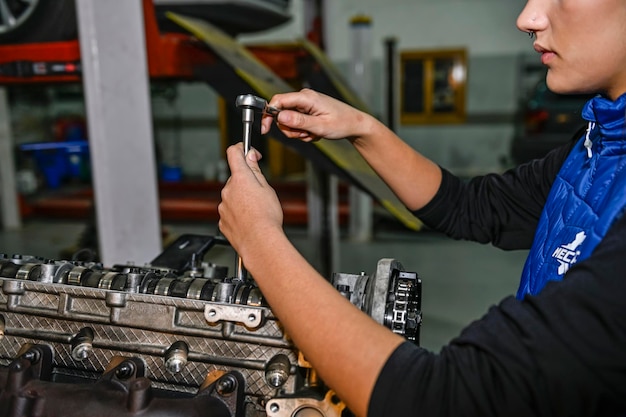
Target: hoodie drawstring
(588, 142)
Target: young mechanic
(559, 348)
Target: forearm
(345, 346)
(308, 115)
(413, 178)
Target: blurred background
(115, 117)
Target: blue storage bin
(60, 160)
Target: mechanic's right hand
(308, 115)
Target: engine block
(176, 337)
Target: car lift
(170, 56)
(179, 56)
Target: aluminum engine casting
(177, 337)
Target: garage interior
(118, 135)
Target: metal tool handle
(250, 104)
(248, 119)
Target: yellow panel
(267, 84)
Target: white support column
(115, 80)
(9, 208)
(361, 204)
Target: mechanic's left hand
(250, 207)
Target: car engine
(176, 337)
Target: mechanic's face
(582, 42)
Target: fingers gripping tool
(249, 105)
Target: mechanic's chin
(560, 83)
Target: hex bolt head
(125, 370)
(82, 344)
(82, 351)
(175, 364)
(176, 357)
(226, 385)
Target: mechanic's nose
(532, 18)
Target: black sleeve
(560, 353)
(502, 209)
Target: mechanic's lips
(546, 55)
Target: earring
(531, 34)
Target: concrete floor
(460, 279)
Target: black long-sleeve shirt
(560, 353)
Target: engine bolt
(125, 370)
(277, 371)
(226, 385)
(82, 344)
(31, 356)
(176, 357)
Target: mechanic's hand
(249, 208)
(308, 115)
